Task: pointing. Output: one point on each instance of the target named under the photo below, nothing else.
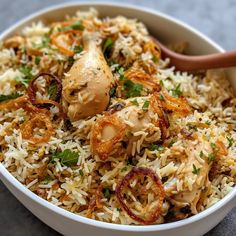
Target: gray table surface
(215, 18)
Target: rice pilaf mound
(163, 149)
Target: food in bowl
(96, 122)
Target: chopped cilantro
(27, 74)
(112, 92)
(124, 169)
(121, 73)
(162, 97)
(106, 193)
(211, 157)
(37, 60)
(154, 147)
(230, 141)
(213, 145)
(208, 122)
(107, 46)
(176, 91)
(46, 180)
(162, 83)
(192, 127)
(52, 90)
(195, 170)
(201, 154)
(81, 173)
(145, 105)
(77, 25)
(67, 157)
(78, 49)
(71, 60)
(132, 89)
(134, 102)
(154, 59)
(172, 142)
(9, 97)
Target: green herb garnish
(107, 46)
(67, 157)
(134, 102)
(37, 60)
(213, 145)
(192, 127)
(106, 193)
(230, 141)
(155, 147)
(211, 157)
(124, 169)
(208, 122)
(161, 83)
(78, 49)
(162, 97)
(154, 59)
(201, 154)
(176, 91)
(145, 105)
(9, 97)
(195, 170)
(172, 142)
(27, 74)
(52, 90)
(78, 25)
(132, 89)
(112, 92)
(71, 61)
(121, 73)
(81, 173)
(46, 180)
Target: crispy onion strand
(163, 121)
(104, 148)
(27, 129)
(159, 192)
(32, 90)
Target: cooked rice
(213, 118)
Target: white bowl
(167, 29)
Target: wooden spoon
(194, 63)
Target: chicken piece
(133, 119)
(86, 88)
(190, 197)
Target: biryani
(95, 121)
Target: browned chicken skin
(86, 88)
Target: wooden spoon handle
(193, 63)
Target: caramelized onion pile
(152, 210)
(104, 148)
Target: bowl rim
(5, 175)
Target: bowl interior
(159, 25)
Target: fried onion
(151, 212)
(178, 105)
(163, 121)
(104, 148)
(27, 128)
(32, 90)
